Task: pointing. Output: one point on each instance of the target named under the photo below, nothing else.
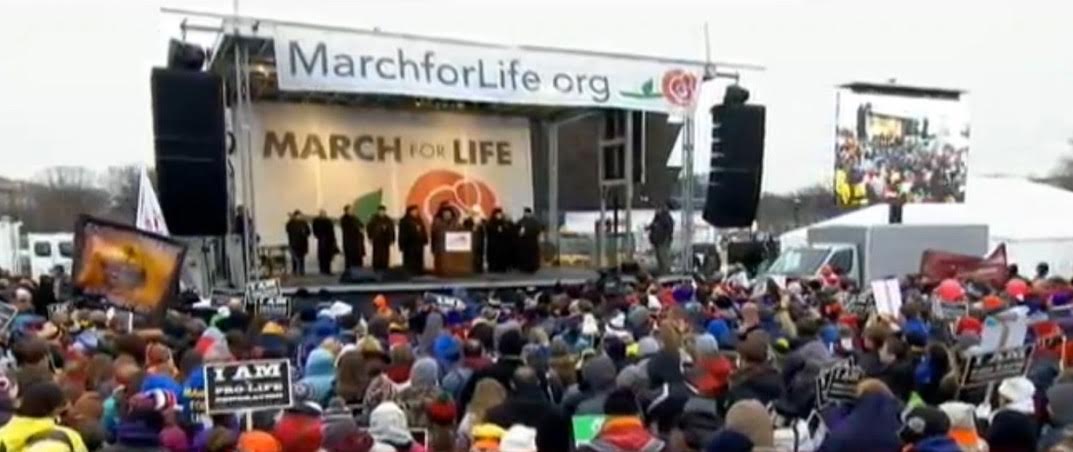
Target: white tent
(1029, 217)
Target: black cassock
(412, 240)
(298, 241)
(353, 240)
(498, 235)
(381, 230)
(478, 243)
(324, 231)
(527, 251)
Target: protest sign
(982, 369)
(265, 297)
(838, 383)
(273, 307)
(943, 310)
(59, 308)
(1004, 330)
(586, 428)
(131, 268)
(7, 314)
(862, 305)
(888, 297)
(247, 386)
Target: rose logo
(436, 187)
(679, 87)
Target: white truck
(47, 250)
(868, 253)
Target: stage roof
(254, 36)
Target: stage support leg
(687, 195)
(551, 139)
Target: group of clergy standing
(499, 244)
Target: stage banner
(311, 157)
(378, 63)
(133, 269)
(896, 143)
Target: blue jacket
(872, 426)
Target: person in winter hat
(518, 438)
(40, 405)
(623, 430)
(319, 375)
(694, 430)
(872, 425)
(510, 346)
(598, 373)
(258, 441)
(1060, 407)
(757, 378)
(143, 422)
(1012, 431)
(300, 429)
(423, 389)
(927, 429)
(1018, 394)
(341, 432)
(388, 427)
(963, 426)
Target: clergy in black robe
(351, 229)
(498, 232)
(476, 225)
(445, 221)
(381, 230)
(527, 251)
(324, 231)
(298, 242)
(413, 236)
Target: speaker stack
(737, 161)
(188, 128)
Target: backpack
(53, 434)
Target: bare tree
(1062, 173)
(57, 195)
(779, 213)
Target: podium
(457, 257)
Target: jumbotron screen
(899, 144)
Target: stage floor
(545, 277)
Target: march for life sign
(247, 386)
(354, 61)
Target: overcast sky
(74, 75)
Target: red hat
(970, 325)
(992, 303)
(298, 433)
(441, 411)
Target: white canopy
(1028, 216)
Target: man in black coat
(324, 231)
(353, 238)
(381, 230)
(413, 236)
(499, 241)
(298, 242)
(476, 225)
(528, 405)
(509, 360)
(528, 239)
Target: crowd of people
(709, 365)
(499, 244)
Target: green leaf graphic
(646, 88)
(365, 205)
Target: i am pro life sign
(248, 386)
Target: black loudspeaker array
(737, 165)
(188, 126)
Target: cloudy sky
(74, 75)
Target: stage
(545, 277)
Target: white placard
(888, 295)
(361, 62)
(458, 241)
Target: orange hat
(258, 441)
(992, 303)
